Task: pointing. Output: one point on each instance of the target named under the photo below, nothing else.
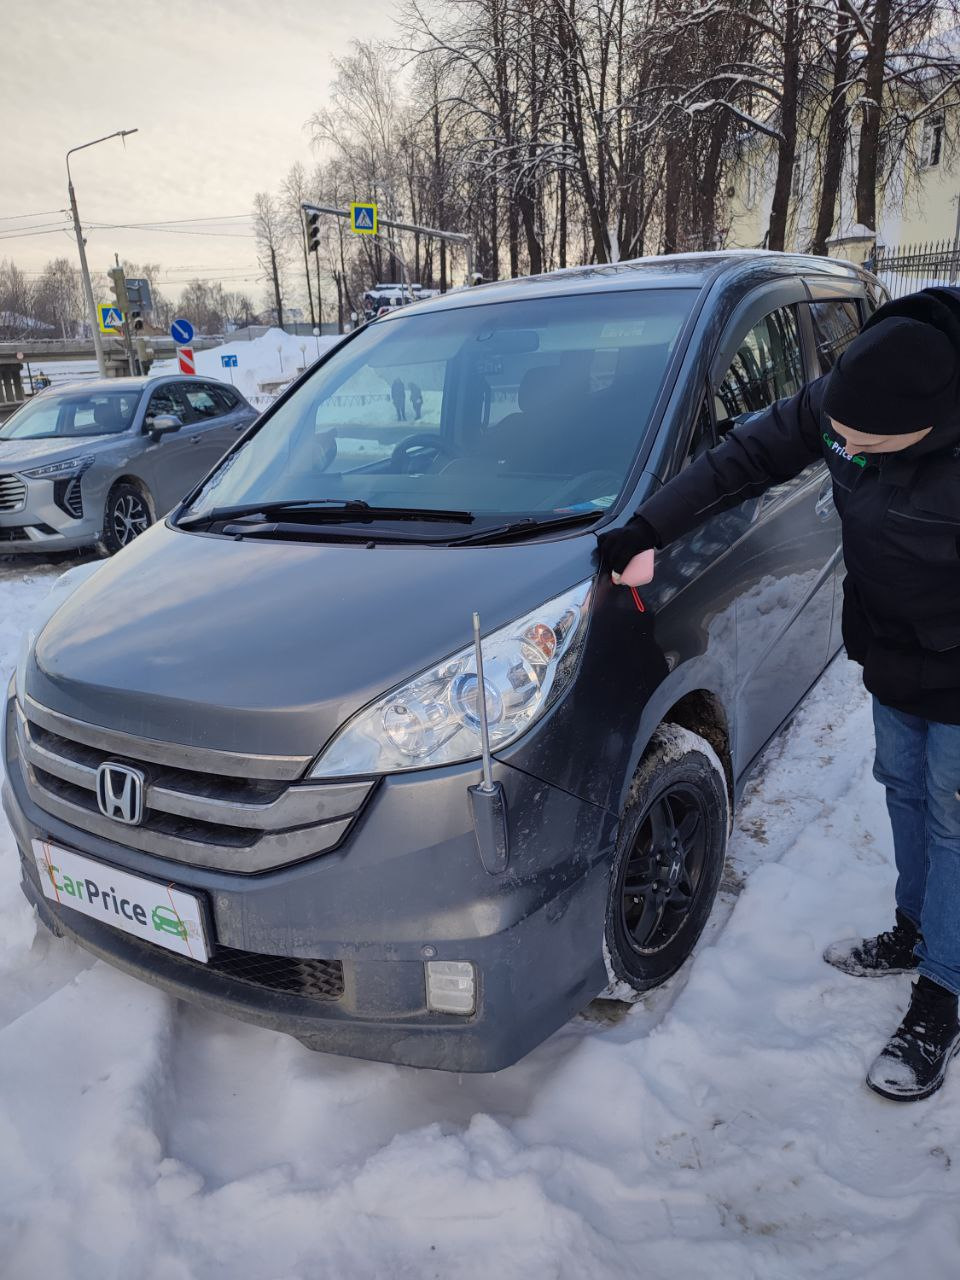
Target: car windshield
(528, 408)
(72, 413)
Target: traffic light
(136, 321)
(118, 287)
(313, 231)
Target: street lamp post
(84, 269)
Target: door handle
(824, 505)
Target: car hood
(17, 454)
(267, 647)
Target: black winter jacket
(900, 514)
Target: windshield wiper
(322, 511)
(529, 525)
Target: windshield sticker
(595, 504)
(623, 331)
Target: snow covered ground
(721, 1130)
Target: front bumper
(408, 877)
(46, 520)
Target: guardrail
(81, 349)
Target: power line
(16, 217)
(176, 231)
(170, 222)
(23, 235)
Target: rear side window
(767, 367)
(224, 398)
(835, 325)
(201, 402)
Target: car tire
(668, 862)
(127, 513)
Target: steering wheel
(403, 454)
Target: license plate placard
(156, 912)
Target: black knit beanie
(897, 376)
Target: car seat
(106, 414)
(538, 435)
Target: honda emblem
(120, 791)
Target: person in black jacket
(887, 421)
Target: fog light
(451, 986)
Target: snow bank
(272, 360)
(718, 1130)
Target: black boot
(890, 952)
(914, 1063)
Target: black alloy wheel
(664, 868)
(668, 861)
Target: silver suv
(95, 463)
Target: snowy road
(723, 1131)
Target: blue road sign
(181, 331)
(110, 317)
(363, 218)
(229, 362)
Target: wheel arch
(691, 697)
(703, 713)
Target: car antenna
(487, 799)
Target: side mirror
(162, 425)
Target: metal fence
(905, 268)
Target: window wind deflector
(523, 528)
(321, 511)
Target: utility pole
(81, 247)
(276, 286)
(316, 263)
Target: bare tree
(16, 302)
(58, 297)
(293, 193)
(268, 227)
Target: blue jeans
(918, 761)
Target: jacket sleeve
(767, 448)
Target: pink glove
(637, 573)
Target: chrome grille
(203, 807)
(13, 493)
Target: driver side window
(164, 401)
(767, 367)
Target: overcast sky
(219, 91)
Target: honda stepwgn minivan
(246, 757)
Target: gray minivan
(97, 462)
(245, 757)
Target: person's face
(861, 442)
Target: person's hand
(620, 546)
(637, 573)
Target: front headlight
(56, 470)
(433, 720)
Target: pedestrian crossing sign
(363, 218)
(111, 318)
